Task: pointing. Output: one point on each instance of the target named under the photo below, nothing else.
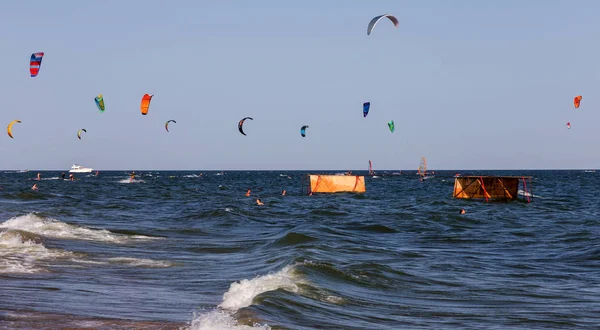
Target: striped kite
(35, 63)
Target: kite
(366, 107)
(241, 123)
(99, 102)
(9, 128)
(167, 124)
(303, 130)
(79, 133)
(376, 20)
(391, 125)
(569, 125)
(146, 103)
(576, 101)
(35, 63)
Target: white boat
(80, 169)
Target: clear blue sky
(469, 84)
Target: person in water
(283, 192)
(97, 173)
(259, 202)
(462, 211)
(34, 187)
(248, 193)
(39, 176)
(62, 176)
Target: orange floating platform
(492, 188)
(322, 183)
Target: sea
(188, 250)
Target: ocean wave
(57, 229)
(131, 181)
(23, 252)
(241, 294)
(139, 262)
(294, 239)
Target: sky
(469, 84)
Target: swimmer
(259, 202)
(35, 187)
(283, 192)
(462, 211)
(39, 176)
(248, 193)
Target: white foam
(240, 295)
(221, 320)
(528, 194)
(53, 228)
(136, 262)
(21, 255)
(131, 181)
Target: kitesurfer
(259, 202)
(71, 177)
(96, 173)
(62, 176)
(132, 177)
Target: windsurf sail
(99, 102)
(35, 63)
(422, 171)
